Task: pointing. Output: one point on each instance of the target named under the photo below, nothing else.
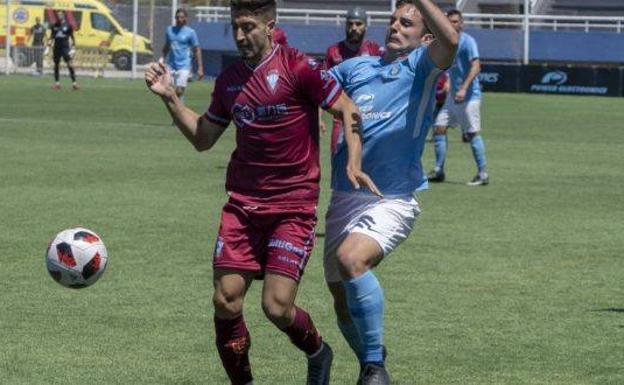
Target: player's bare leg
(232, 337)
(357, 255)
(278, 302)
(180, 92)
(72, 74)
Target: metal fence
(113, 39)
(478, 20)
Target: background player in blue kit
(180, 47)
(462, 106)
(396, 95)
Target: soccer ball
(76, 258)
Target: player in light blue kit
(395, 94)
(181, 44)
(462, 106)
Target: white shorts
(388, 221)
(181, 77)
(466, 115)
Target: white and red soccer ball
(76, 258)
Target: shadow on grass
(611, 310)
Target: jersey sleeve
(473, 50)
(194, 41)
(317, 85)
(340, 72)
(421, 63)
(329, 58)
(217, 112)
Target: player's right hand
(158, 79)
(359, 178)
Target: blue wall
(495, 45)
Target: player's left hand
(460, 96)
(358, 178)
(200, 74)
(158, 79)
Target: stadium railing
(476, 20)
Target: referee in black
(60, 34)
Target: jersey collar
(263, 61)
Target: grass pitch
(519, 282)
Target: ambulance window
(101, 22)
(73, 18)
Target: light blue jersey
(396, 101)
(467, 52)
(181, 40)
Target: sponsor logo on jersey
(365, 102)
(272, 78)
(243, 115)
(271, 112)
(376, 115)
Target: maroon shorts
(265, 239)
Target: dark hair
(454, 12)
(401, 3)
(181, 10)
(263, 8)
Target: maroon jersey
(339, 52)
(275, 109)
(441, 88)
(279, 36)
(335, 55)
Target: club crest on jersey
(394, 71)
(272, 78)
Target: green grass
(519, 282)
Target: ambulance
(94, 25)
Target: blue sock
(478, 151)
(366, 306)
(441, 145)
(350, 333)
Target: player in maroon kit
(353, 45)
(267, 227)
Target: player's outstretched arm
(199, 62)
(349, 113)
(201, 133)
(443, 49)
